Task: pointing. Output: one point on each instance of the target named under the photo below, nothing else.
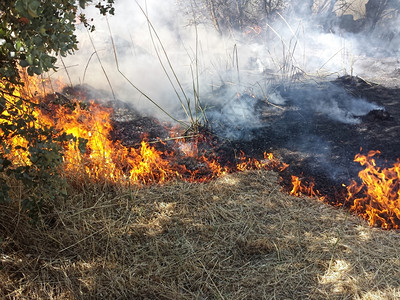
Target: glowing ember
(377, 198)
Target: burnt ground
(237, 237)
(316, 145)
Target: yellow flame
(380, 187)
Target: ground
(238, 237)
(318, 129)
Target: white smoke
(199, 58)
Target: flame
(296, 186)
(105, 159)
(148, 166)
(95, 158)
(253, 29)
(94, 155)
(269, 162)
(308, 189)
(377, 198)
(17, 145)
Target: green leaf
(37, 70)
(19, 7)
(18, 45)
(82, 3)
(23, 63)
(29, 60)
(30, 71)
(4, 188)
(82, 145)
(33, 7)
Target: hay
(238, 237)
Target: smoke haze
(221, 69)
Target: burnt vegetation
(352, 16)
(77, 231)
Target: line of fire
(103, 151)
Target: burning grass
(377, 197)
(238, 237)
(235, 237)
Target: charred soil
(316, 145)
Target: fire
(93, 155)
(102, 158)
(307, 189)
(91, 152)
(253, 29)
(148, 166)
(269, 162)
(377, 198)
(296, 186)
(11, 102)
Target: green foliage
(41, 178)
(33, 33)
(38, 171)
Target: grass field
(238, 237)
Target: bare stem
(133, 85)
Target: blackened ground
(315, 146)
(322, 148)
(132, 132)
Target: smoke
(154, 47)
(165, 58)
(331, 101)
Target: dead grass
(237, 237)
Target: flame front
(101, 158)
(299, 188)
(93, 155)
(377, 198)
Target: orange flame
(13, 102)
(307, 189)
(253, 29)
(94, 155)
(148, 166)
(269, 162)
(379, 202)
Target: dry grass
(238, 237)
